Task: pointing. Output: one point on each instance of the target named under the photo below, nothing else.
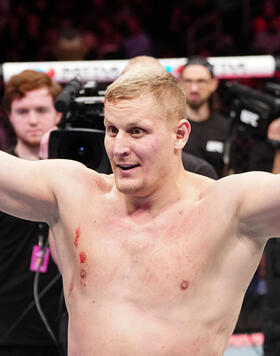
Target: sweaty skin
(155, 260)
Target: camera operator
(29, 102)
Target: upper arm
(259, 204)
(29, 189)
(25, 188)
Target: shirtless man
(155, 260)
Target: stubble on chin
(195, 105)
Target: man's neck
(153, 203)
(27, 152)
(200, 114)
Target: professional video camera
(251, 110)
(81, 132)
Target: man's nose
(194, 85)
(32, 118)
(121, 145)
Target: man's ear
(214, 84)
(182, 133)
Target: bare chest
(164, 257)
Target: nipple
(184, 285)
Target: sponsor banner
(109, 70)
(243, 66)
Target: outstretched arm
(260, 202)
(26, 188)
(259, 205)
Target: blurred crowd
(31, 30)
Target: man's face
(139, 144)
(198, 85)
(33, 115)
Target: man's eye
(21, 112)
(42, 110)
(112, 130)
(137, 131)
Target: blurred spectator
(268, 11)
(136, 41)
(28, 34)
(267, 41)
(28, 99)
(209, 128)
(266, 26)
(109, 41)
(69, 46)
(5, 7)
(180, 20)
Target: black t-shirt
(207, 140)
(17, 238)
(261, 157)
(198, 165)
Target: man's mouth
(34, 132)
(128, 167)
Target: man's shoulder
(66, 171)
(240, 183)
(225, 185)
(62, 165)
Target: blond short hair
(163, 86)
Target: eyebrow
(133, 123)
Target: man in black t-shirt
(29, 102)
(209, 129)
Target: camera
(251, 110)
(81, 131)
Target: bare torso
(169, 284)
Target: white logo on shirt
(215, 146)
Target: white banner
(109, 70)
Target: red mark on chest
(83, 275)
(184, 285)
(83, 257)
(77, 236)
